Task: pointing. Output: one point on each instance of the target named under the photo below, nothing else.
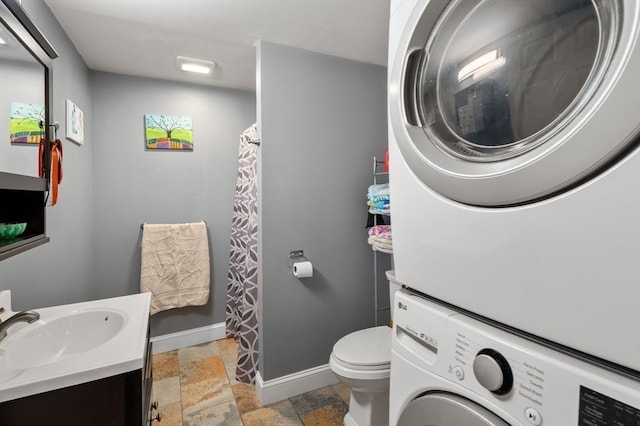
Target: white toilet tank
(394, 286)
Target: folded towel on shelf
(380, 246)
(386, 210)
(378, 204)
(378, 189)
(383, 231)
(380, 238)
(379, 198)
(175, 265)
(381, 241)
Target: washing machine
(514, 166)
(449, 369)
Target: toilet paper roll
(302, 269)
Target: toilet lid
(369, 347)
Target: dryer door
(496, 102)
(443, 409)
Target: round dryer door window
(495, 102)
(445, 409)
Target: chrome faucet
(24, 316)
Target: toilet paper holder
(296, 256)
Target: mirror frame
(26, 195)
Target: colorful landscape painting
(25, 123)
(168, 132)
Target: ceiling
(143, 37)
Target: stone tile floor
(196, 386)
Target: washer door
(443, 409)
(497, 102)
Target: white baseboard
(284, 387)
(194, 336)
(269, 391)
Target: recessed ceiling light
(198, 66)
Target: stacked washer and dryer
(515, 176)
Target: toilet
(361, 360)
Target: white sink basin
(47, 341)
(73, 344)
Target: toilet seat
(368, 349)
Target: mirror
(25, 59)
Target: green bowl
(11, 230)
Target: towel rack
(55, 125)
(205, 223)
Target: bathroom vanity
(81, 364)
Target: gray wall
(132, 185)
(60, 271)
(94, 251)
(322, 120)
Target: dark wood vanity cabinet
(121, 400)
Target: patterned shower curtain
(242, 283)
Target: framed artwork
(25, 123)
(168, 132)
(75, 123)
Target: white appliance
(444, 365)
(362, 360)
(515, 172)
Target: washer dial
(492, 371)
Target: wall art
(75, 123)
(25, 123)
(168, 132)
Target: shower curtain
(242, 283)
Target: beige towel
(175, 265)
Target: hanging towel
(175, 265)
(56, 166)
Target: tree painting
(25, 123)
(168, 132)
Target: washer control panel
(597, 409)
(519, 378)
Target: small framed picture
(75, 123)
(174, 132)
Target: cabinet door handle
(157, 417)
